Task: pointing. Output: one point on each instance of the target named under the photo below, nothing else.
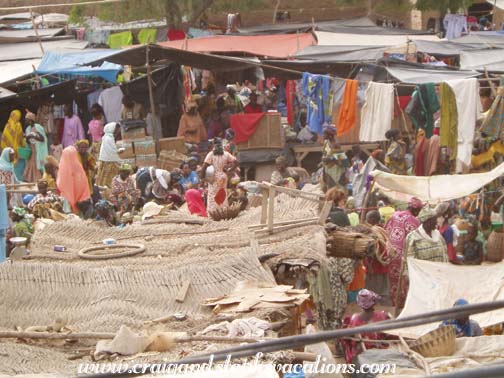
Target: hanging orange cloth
(348, 110)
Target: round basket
(437, 343)
(24, 152)
(495, 246)
(224, 213)
(104, 252)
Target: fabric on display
(111, 102)
(377, 112)
(455, 25)
(317, 89)
(119, 40)
(424, 103)
(493, 125)
(449, 120)
(468, 107)
(146, 36)
(442, 282)
(245, 125)
(435, 188)
(108, 150)
(348, 110)
(92, 98)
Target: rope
(83, 253)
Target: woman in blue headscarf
(7, 174)
(464, 326)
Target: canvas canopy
(435, 286)
(342, 53)
(434, 189)
(274, 46)
(481, 60)
(348, 39)
(418, 75)
(10, 71)
(72, 64)
(31, 50)
(13, 36)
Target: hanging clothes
(118, 40)
(348, 110)
(146, 36)
(468, 107)
(111, 102)
(455, 25)
(424, 103)
(317, 89)
(449, 120)
(377, 112)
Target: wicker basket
(437, 343)
(495, 246)
(224, 213)
(350, 244)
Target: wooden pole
(271, 205)
(366, 202)
(36, 31)
(149, 81)
(400, 284)
(264, 206)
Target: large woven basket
(437, 343)
(349, 244)
(224, 213)
(495, 246)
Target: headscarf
(330, 129)
(460, 302)
(229, 134)
(163, 177)
(281, 160)
(366, 299)
(426, 214)
(415, 203)
(72, 180)
(5, 164)
(82, 141)
(377, 153)
(12, 135)
(125, 167)
(195, 203)
(218, 149)
(108, 149)
(19, 211)
(30, 116)
(52, 160)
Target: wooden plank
(271, 206)
(293, 192)
(325, 212)
(264, 206)
(262, 225)
(287, 227)
(183, 291)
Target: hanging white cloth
(111, 102)
(108, 149)
(377, 112)
(468, 107)
(455, 25)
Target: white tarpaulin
(436, 286)
(433, 188)
(491, 60)
(12, 70)
(340, 39)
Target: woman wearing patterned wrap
(398, 227)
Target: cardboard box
(170, 160)
(128, 153)
(132, 134)
(269, 134)
(145, 146)
(173, 144)
(146, 161)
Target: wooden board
(183, 291)
(169, 144)
(268, 134)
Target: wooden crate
(129, 152)
(170, 160)
(146, 160)
(172, 144)
(134, 134)
(145, 146)
(268, 134)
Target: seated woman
(464, 326)
(124, 195)
(189, 179)
(22, 226)
(338, 216)
(426, 242)
(472, 248)
(366, 300)
(281, 175)
(51, 172)
(105, 211)
(45, 201)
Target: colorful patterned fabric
(423, 246)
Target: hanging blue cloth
(317, 89)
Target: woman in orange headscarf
(72, 180)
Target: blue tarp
(74, 64)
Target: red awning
(274, 46)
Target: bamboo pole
(271, 208)
(36, 31)
(149, 81)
